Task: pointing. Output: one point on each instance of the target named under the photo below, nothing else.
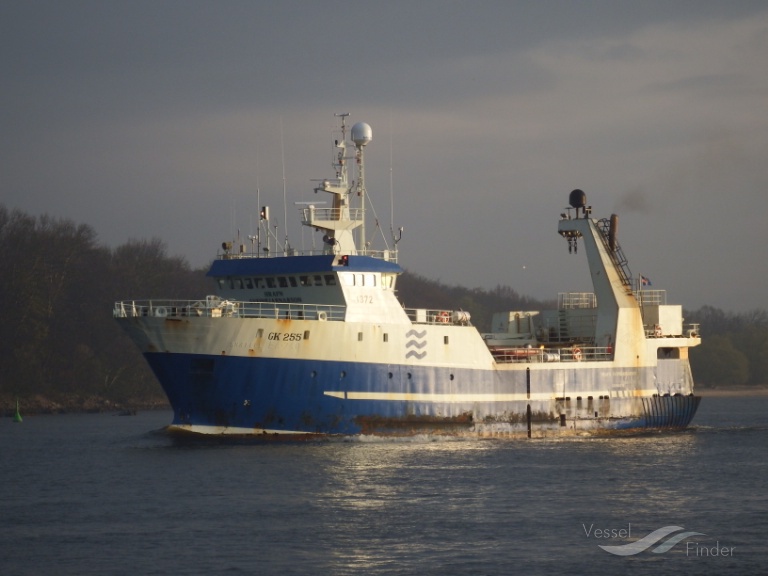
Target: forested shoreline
(61, 350)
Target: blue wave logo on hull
(417, 342)
(651, 540)
(417, 355)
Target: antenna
(285, 204)
(258, 203)
(361, 136)
(340, 161)
(391, 186)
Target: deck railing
(575, 300)
(571, 354)
(436, 316)
(213, 307)
(311, 214)
(691, 330)
(650, 297)
(246, 252)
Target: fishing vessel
(304, 343)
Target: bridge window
(330, 280)
(282, 281)
(271, 283)
(249, 283)
(365, 280)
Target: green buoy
(17, 416)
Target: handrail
(214, 307)
(386, 255)
(691, 330)
(575, 300)
(650, 297)
(616, 254)
(504, 355)
(430, 316)
(312, 214)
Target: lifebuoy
(161, 312)
(443, 317)
(657, 331)
(577, 354)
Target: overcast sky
(161, 119)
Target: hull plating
(237, 395)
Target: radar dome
(577, 199)
(361, 134)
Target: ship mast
(340, 221)
(361, 136)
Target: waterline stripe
(456, 398)
(225, 430)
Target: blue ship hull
(238, 395)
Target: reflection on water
(395, 501)
(115, 495)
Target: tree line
(59, 342)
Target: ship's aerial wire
(285, 203)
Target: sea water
(102, 494)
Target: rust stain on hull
(411, 425)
